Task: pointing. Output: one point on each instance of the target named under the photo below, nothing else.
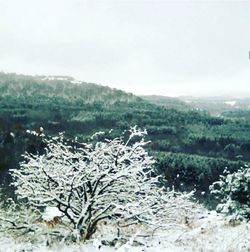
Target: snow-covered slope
(209, 232)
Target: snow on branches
(112, 179)
(233, 192)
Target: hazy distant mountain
(217, 105)
(214, 105)
(168, 102)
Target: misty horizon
(184, 96)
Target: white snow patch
(76, 82)
(12, 134)
(50, 213)
(61, 78)
(231, 103)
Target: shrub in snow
(21, 221)
(234, 192)
(112, 179)
(16, 217)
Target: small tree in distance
(107, 180)
(233, 190)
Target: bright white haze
(162, 47)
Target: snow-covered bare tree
(109, 179)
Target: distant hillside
(214, 105)
(217, 105)
(64, 87)
(168, 102)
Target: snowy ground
(209, 232)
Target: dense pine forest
(191, 145)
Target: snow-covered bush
(17, 216)
(234, 192)
(24, 223)
(111, 180)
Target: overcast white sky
(146, 47)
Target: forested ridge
(192, 148)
